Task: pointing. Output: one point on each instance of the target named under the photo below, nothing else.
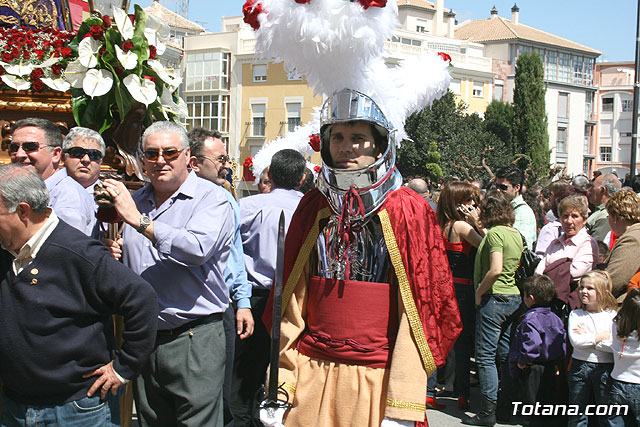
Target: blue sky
(609, 27)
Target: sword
(272, 395)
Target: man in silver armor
(368, 302)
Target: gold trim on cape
(403, 404)
(406, 294)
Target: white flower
(179, 108)
(49, 62)
(169, 78)
(87, 51)
(16, 82)
(142, 91)
(19, 69)
(58, 84)
(74, 73)
(122, 22)
(129, 60)
(156, 31)
(97, 82)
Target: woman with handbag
(458, 217)
(497, 298)
(571, 255)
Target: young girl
(589, 326)
(625, 377)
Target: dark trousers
(229, 322)
(250, 366)
(539, 383)
(465, 295)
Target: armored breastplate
(364, 259)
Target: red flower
(96, 32)
(152, 52)
(317, 169)
(66, 52)
(366, 4)
(6, 56)
(36, 74)
(56, 69)
(38, 86)
(302, 1)
(101, 51)
(46, 45)
(248, 162)
(132, 17)
(127, 46)
(153, 79)
(58, 43)
(39, 54)
(314, 142)
(106, 22)
(26, 55)
(251, 11)
(444, 56)
(1, 70)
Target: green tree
(498, 119)
(530, 120)
(461, 141)
(432, 167)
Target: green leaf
(79, 106)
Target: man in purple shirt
(178, 236)
(37, 143)
(259, 230)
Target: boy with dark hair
(510, 182)
(539, 342)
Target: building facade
(614, 116)
(568, 74)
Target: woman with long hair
(458, 216)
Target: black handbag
(528, 263)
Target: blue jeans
(585, 377)
(465, 295)
(88, 411)
(494, 319)
(621, 393)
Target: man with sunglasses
(209, 160)
(509, 181)
(37, 143)
(83, 153)
(178, 234)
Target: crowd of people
(564, 335)
(382, 283)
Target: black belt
(214, 317)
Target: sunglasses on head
(28, 147)
(168, 154)
(502, 187)
(79, 152)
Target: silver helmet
(372, 182)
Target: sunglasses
(28, 147)
(219, 159)
(169, 154)
(502, 187)
(79, 153)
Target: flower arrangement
(116, 65)
(314, 142)
(109, 64)
(32, 59)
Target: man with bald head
(421, 187)
(603, 188)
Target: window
(207, 71)
(257, 117)
(455, 86)
(421, 29)
(585, 166)
(259, 73)
(563, 105)
(564, 67)
(587, 139)
(498, 89)
(561, 140)
(588, 71)
(578, 69)
(627, 105)
(477, 89)
(208, 111)
(588, 105)
(293, 116)
(551, 65)
(607, 104)
(605, 154)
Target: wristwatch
(145, 221)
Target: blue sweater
(56, 324)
